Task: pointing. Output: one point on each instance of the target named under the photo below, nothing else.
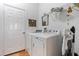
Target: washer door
(37, 47)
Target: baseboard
(14, 52)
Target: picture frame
(32, 22)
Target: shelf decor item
(69, 11)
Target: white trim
(14, 7)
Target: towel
(67, 36)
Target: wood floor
(20, 53)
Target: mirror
(45, 20)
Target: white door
(14, 29)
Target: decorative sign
(32, 23)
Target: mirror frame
(45, 20)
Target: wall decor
(32, 22)
(45, 20)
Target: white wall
(60, 24)
(1, 29)
(32, 13)
(31, 10)
(45, 8)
